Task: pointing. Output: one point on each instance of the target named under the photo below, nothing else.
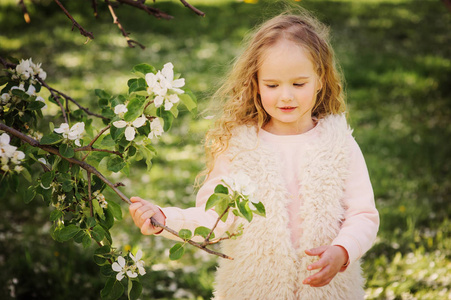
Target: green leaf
(147, 153)
(107, 271)
(221, 189)
(203, 232)
(260, 209)
(67, 151)
(138, 85)
(135, 291)
(55, 215)
(47, 178)
(115, 209)
(115, 164)
(103, 103)
(176, 252)
(143, 69)
(26, 174)
(245, 211)
(135, 108)
(63, 165)
(68, 232)
(27, 194)
(103, 250)
(102, 94)
(222, 205)
(190, 104)
(113, 289)
(35, 105)
(167, 117)
(91, 222)
(214, 200)
(108, 141)
(185, 234)
(86, 242)
(51, 138)
(3, 80)
(98, 233)
(108, 222)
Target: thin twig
(83, 32)
(207, 239)
(148, 9)
(91, 169)
(89, 194)
(68, 98)
(130, 42)
(90, 148)
(56, 98)
(94, 7)
(191, 242)
(26, 16)
(99, 134)
(198, 12)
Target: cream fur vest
(266, 265)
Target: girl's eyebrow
(297, 78)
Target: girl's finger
(146, 215)
(318, 264)
(135, 199)
(147, 228)
(133, 207)
(316, 251)
(318, 278)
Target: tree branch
(198, 12)
(90, 169)
(207, 239)
(148, 9)
(94, 7)
(130, 42)
(83, 32)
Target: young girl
(283, 125)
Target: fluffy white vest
(266, 265)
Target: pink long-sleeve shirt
(361, 223)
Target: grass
(396, 60)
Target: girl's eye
(299, 84)
(271, 85)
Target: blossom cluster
(27, 70)
(156, 129)
(130, 270)
(101, 198)
(164, 87)
(74, 133)
(10, 155)
(241, 183)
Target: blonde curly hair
(239, 93)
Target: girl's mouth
(287, 108)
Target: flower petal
(139, 121)
(120, 124)
(132, 274)
(129, 133)
(178, 83)
(121, 261)
(119, 276)
(115, 266)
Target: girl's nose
(287, 95)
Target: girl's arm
(359, 228)
(190, 218)
(361, 221)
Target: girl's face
(288, 84)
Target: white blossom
(75, 133)
(168, 100)
(42, 160)
(130, 130)
(17, 157)
(138, 262)
(168, 82)
(6, 150)
(18, 168)
(5, 97)
(120, 110)
(242, 184)
(156, 129)
(120, 267)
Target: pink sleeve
(190, 218)
(359, 229)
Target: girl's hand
(141, 212)
(332, 259)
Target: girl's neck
(289, 129)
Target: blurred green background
(396, 56)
